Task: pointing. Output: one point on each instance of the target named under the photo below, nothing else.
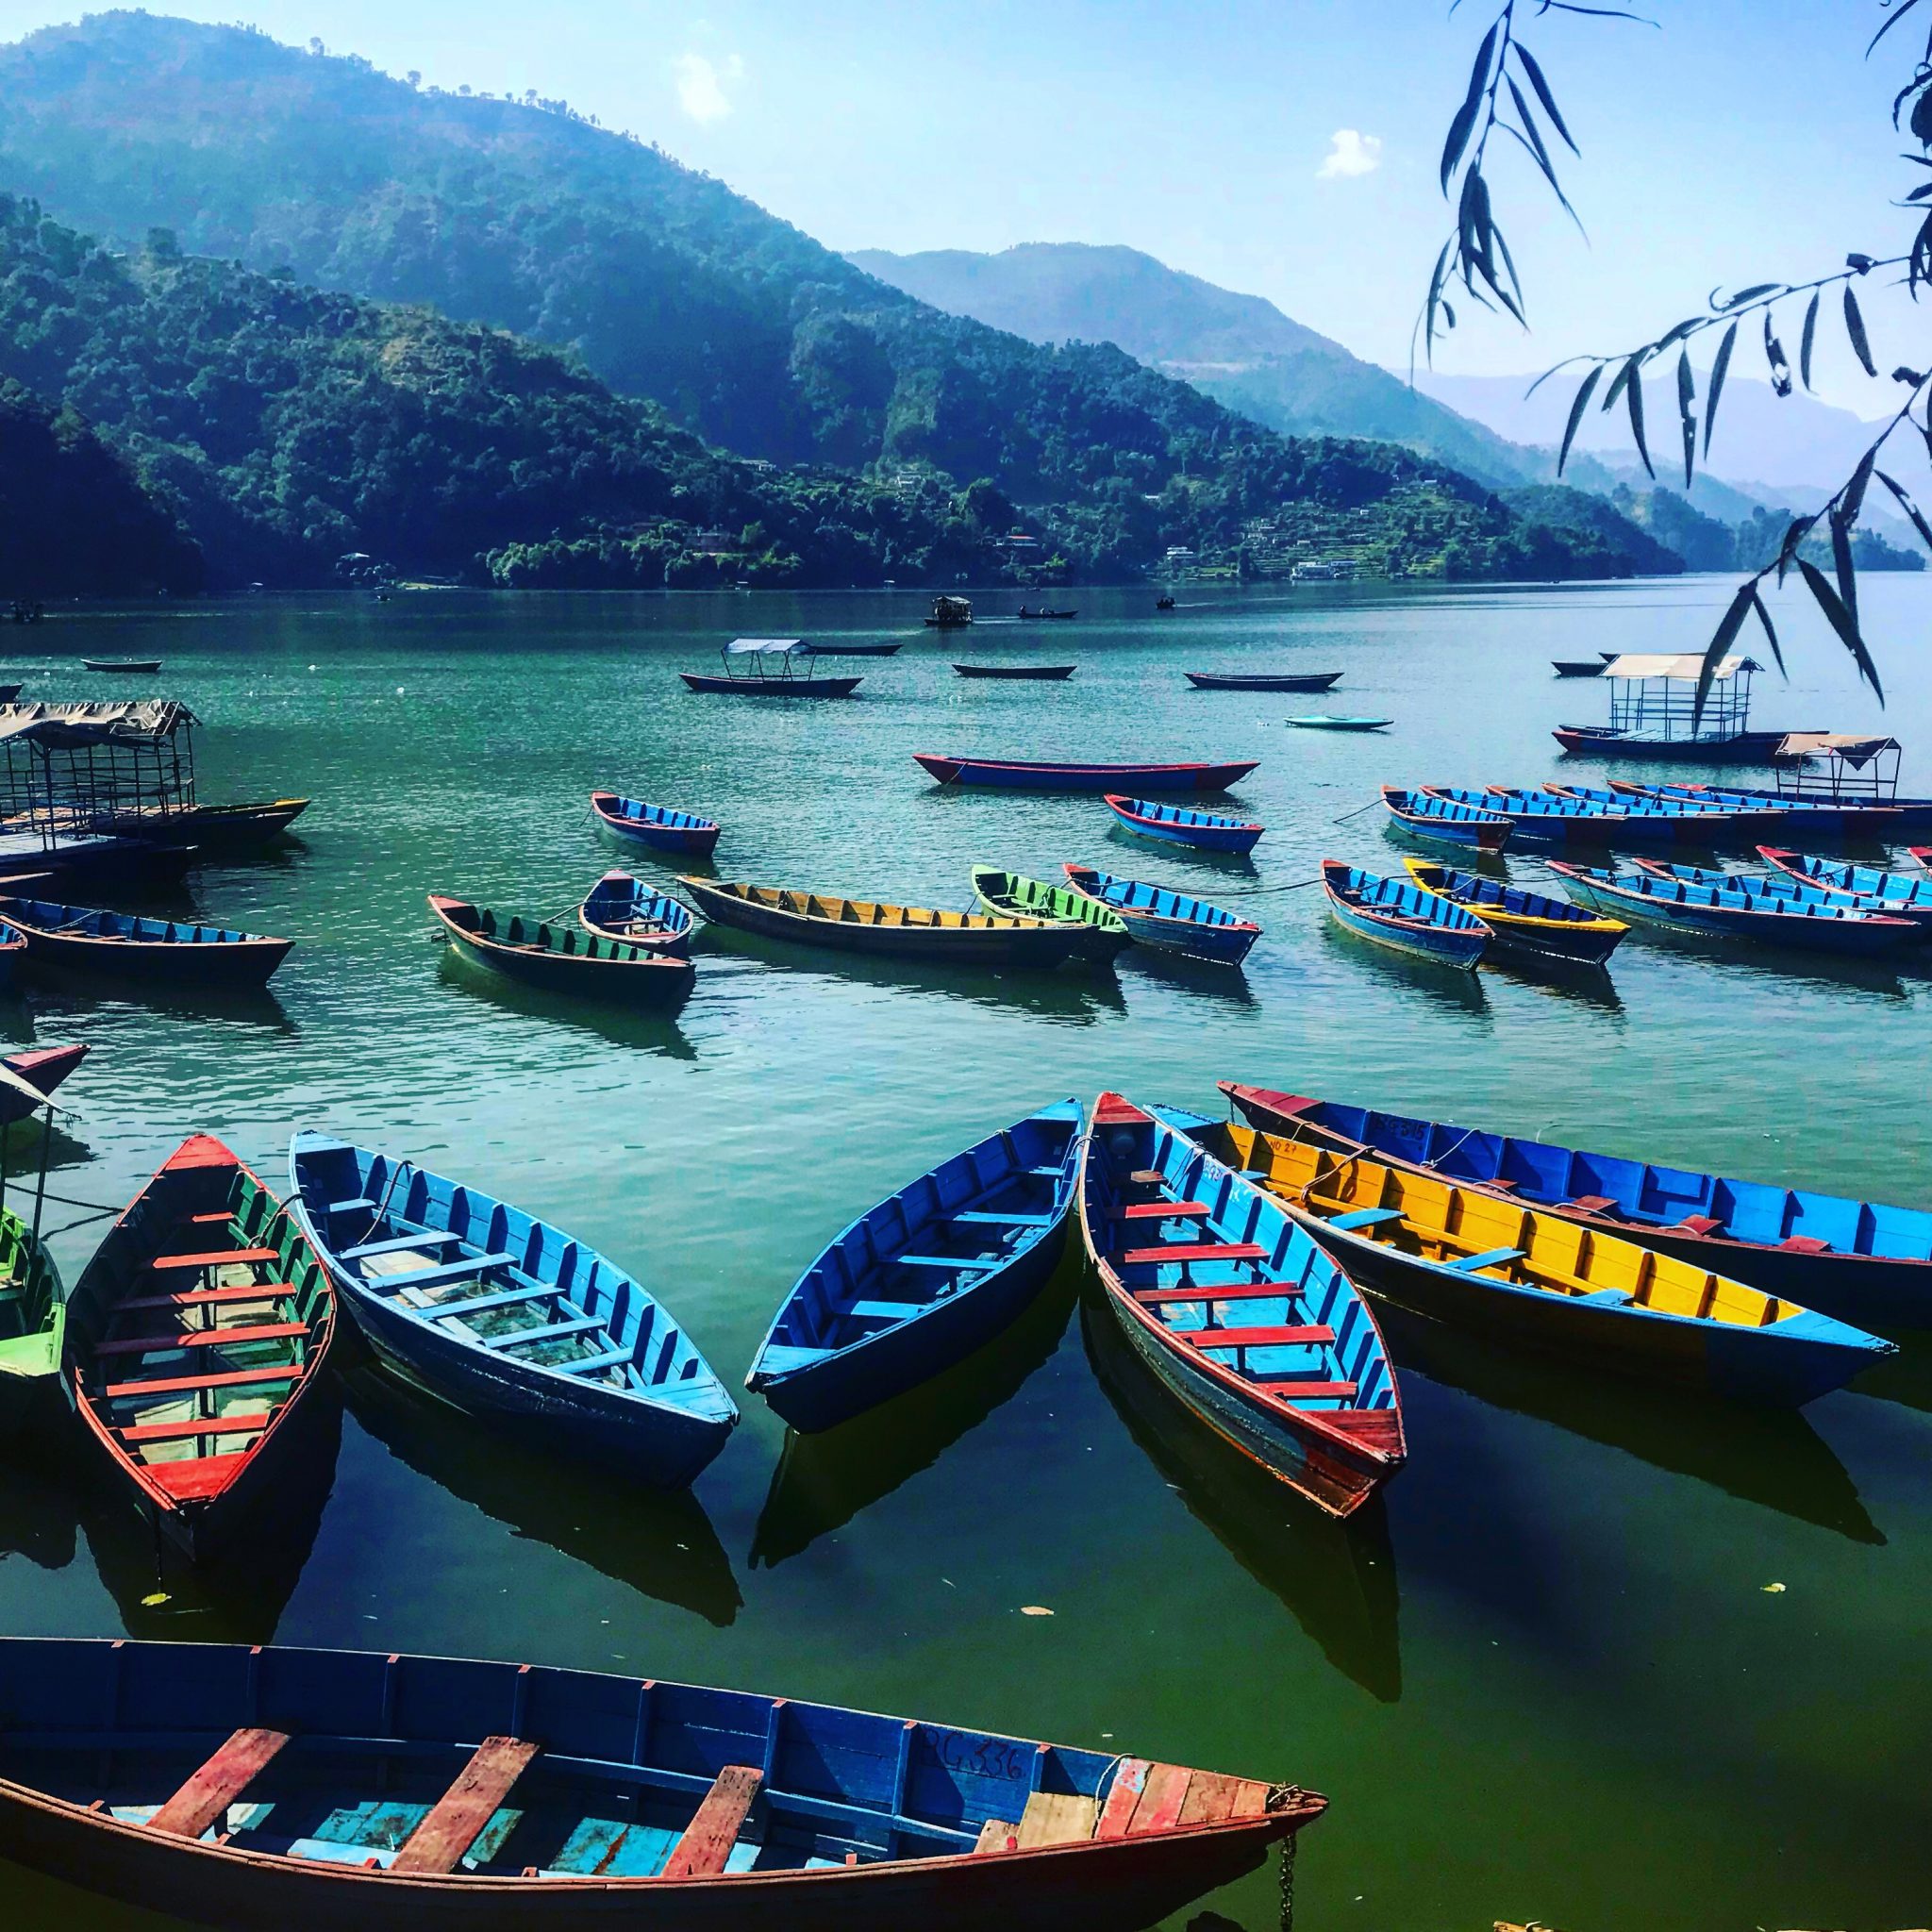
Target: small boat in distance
(121, 666)
(950, 613)
(773, 668)
(1033, 775)
(1578, 667)
(1528, 924)
(660, 826)
(845, 650)
(1337, 721)
(590, 1801)
(1009, 896)
(1158, 917)
(559, 958)
(1045, 673)
(620, 906)
(919, 1282)
(1180, 824)
(1424, 815)
(1163, 602)
(1263, 681)
(1027, 616)
(1395, 912)
(162, 953)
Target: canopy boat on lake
(1861, 1261)
(1899, 893)
(660, 826)
(1237, 1311)
(1011, 895)
(1045, 673)
(771, 668)
(1474, 1259)
(932, 1274)
(1180, 824)
(624, 909)
(1157, 916)
(1428, 815)
(1395, 912)
(1725, 912)
(508, 1318)
(162, 954)
(1026, 774)
(1525, 924)
(868, 925)
(1263, 681)
(1655, 713)
(559, 958)
(193, 1342)
(950, 613)
(266, 1789)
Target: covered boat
(771, 668)
(662, 828)
(1899, 893)
(1262, 680)
(624, 909)
(1032, 774)
(508, 1318)
(164, 953)
(950, 613)
(1529, 924)
(1156, 916)
(1181, 825)
(271, 1788)
(869, 925)
(1236, 1310)
(1012, 895)
(1863, 1261)
(559, 958)
(1474, 1259)
(193, 1342)
(1427, 816)
(919, 1282)
(1393, 912)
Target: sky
(1287, 148)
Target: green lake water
(1546, 1679)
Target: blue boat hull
(1446, 948)
(683, 844)
(1230, 945)
(1844, 939)
(1202, 837)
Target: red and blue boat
(1156, 916)
(1031, 774)
(1803, 816)
(660, 826)
(1700, 820)
(1181, 825)
(1868, 886)
(1546, 818)
(1786, 889)
(1426, 816)
(1393, 912)
(1231, 1305)
(919, 1282)
(620, 906)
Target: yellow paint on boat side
(1428, 874)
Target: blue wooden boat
(164, 953)
(276, 1789)
(658, 826)
(1527, 924)
(1157, 917)
(505, 1317)
(1485, 1261)
(1236, 1310)
(620, 906)
(1861, 1261)
(1780, 890)
(1656, 898)
(1899, 893)
(1700, 820)
(1035, 775)
(1542, 817)
(927, 1276)
(1181, 825)
(1428, 817)
(1393, 912)
(555, 958)
(1812, 817)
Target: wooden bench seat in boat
(201, 1338)
(218, 1257)
(1366, 1217)
(398, 1243)
(236, 1422)
(1219, 1291)
(1697, 1224)
(593, 1364)
(208, 1792)
(361, 1205)
(1803, 1244)
(1593, 1204)
(778, 1356)
(551, 1331)
(429, 1277)
(1148, 1177)
(1493, 1257)
(1161, 1210)
(706, 1843)
(1057, 1818)
(480, 1303)
(886, 1312)
(1195, 1251)
(1000, 1217)
(224, 1378)
(1147, 1796)
(1303, 1336)
(1310, 1392)
(455, 1820)
(208, 1297)
(976, 1261)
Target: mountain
(1240, 349)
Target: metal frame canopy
(1655, 696)
(1836, 764)
(767, 658)
(69, 766)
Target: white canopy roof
(746, 647)
(1688, 665)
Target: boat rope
(1347, 815)
(1263, 891)
(1288, 1845)
(95, 1208)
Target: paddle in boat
(1712, 911)
(1242, 1317)
(560, 958)
(1011, 895)
(1337, 721)
(1044, 674)
(660, 826)
(1156, 916)
(275, 1789)
(1395, 912)
(866, 925)
(624, 909)
(1180, 824)
(933, 1273)
(1899, 893)
(160, 952)
(1425, 816)
(508, 1318)
(1863, 1261)
(1256, 680)
(1525, 924)
(193, 1342)
(770, 668)
(1024, 774)
(1492, 1265)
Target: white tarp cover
(748, 647)
(1855, 751)
(1689, 665)
(140, 722)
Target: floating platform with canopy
(1653, 712)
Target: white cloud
(701, 84)
(1350, 154)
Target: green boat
(1011, 895)
(33, 1317)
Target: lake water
(1548, 1679)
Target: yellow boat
(1526, 924)
(1493, 1265)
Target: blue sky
(1743, 141)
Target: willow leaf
(1576, 409)
(1722, 639)
(1764, 618)
(1904, 502)
(1805, 340)
(1544, 93)
(1633, 395)
(1686, 394)
(1842, 621)
(1464, 124)
(1855, 327)
(1717, 384)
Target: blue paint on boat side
(919, 1282)
(1426, 816)
(1544, 818)
(620, 906)
(1871, 887)
(445, 1282)
(1180, 824)
(1878, 819)
(1156, 916)
(1573, 934)
(1393, 912)
(660, 826)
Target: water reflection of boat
(1336, 1578)
(1450, 986)
(659, 1543)
(39, 1506)
(1906, 1378)
(824, 1481)
(1773, 1458)
(1202, 979)
(650, 1032)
